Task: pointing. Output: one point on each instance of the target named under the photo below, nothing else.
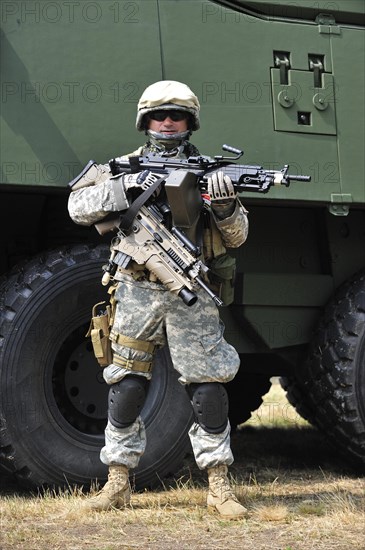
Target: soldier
(148, 316)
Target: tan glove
(222, 194)
(140, 180)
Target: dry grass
(299, 496)
(276, 411)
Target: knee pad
(126, 400)
(210, 405)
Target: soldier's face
(167, 122)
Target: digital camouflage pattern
(199, 352)
(233, 229)
(89, 205)
(124, 446)
(211, 449)
(147, 311)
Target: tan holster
(99, 331)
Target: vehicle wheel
(329, 390)
(53, 397)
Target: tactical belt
(129, 342)
(132, 364)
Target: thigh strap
(129, 342)
(131, 364)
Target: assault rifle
(169, 255)
(245, 177)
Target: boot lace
(222, 489)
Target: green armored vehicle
(281, 80)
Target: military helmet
(168, 94)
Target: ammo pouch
(99, 331)
(222, 272)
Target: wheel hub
(79, 389)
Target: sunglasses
(176, 116)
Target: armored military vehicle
(281, 80)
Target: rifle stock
(108, 224)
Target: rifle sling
(126, 219)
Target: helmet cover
(168, 95)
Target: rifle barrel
(299, 178)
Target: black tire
(329, 391)
(53, 398)
(245, 394)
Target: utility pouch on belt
(222, 272)
(99, 331)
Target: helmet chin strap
(168, 141)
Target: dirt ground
(299, 492)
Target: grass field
(299, 494)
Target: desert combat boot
(221, 497)
(115, 493)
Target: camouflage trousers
(199, 352)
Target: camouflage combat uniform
(146, 311)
